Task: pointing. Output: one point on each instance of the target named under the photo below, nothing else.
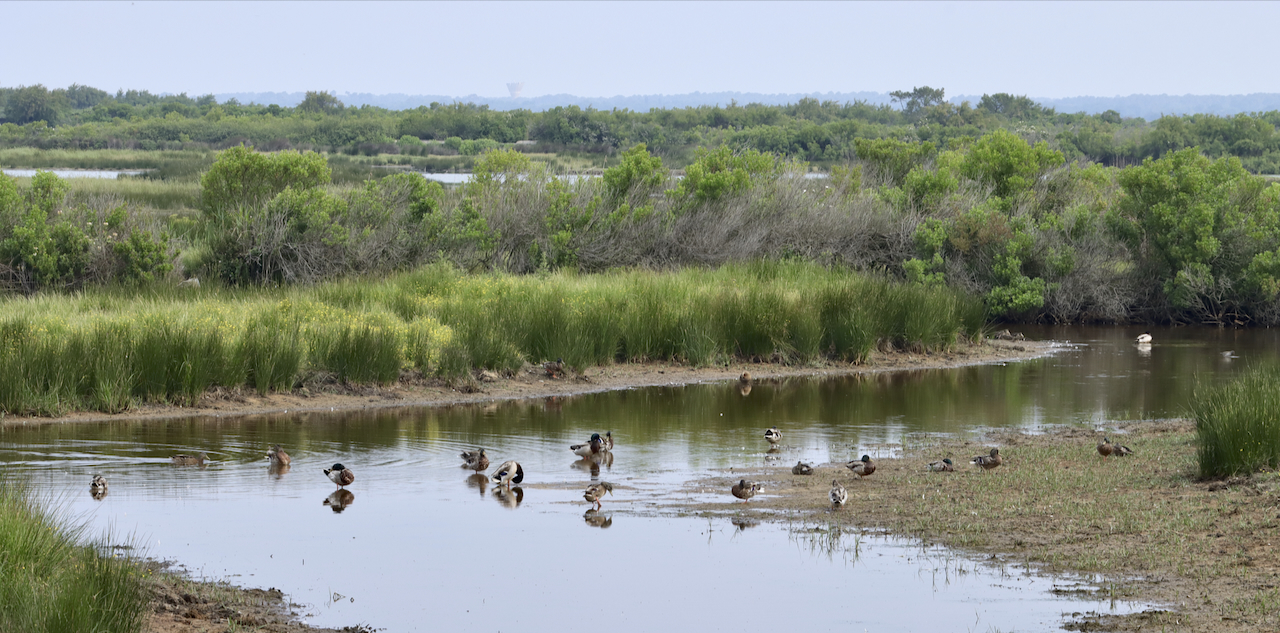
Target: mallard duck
(987, 462)
(594, 446)
(773, 435)
(475, 460)
(1105, 447)
(510, 472)
(944, 466)
(608, 441)
(554, 368)
(98, 488)
(595, 492)
(278, 457)
(838, 494)
(862, 467)
(802, 468)
(340, 475)
(1145, 337)
(190, 460)
(746, 489)
(1120, 450)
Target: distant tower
(516, 89)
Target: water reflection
(408, 461)
(509, 498)
(339, 499)
(277, 469)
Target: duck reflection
(340, 499)
(596, 519)
(744, 384)
(743, 524)
(1144, 349)
(511, 498)
(479, 481)
(592, 463)
(276, 469)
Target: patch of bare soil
(1202, 552)
(535, 382)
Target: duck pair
(1106, 449)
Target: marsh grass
(1238, 423)
(109, 348)
(50, 582)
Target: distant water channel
(73, 173)
(418, 545)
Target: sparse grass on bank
(109, 348)
(51, 583)
(1200, 550)
(1239, 423)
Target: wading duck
(278, 457)
(987, 462)
(595, 492)
(98, 488)
(510, 472)
(340, 475)
(608, 441)
(838, 494)
(594, 446)
(190, 460)
(773, 435)
(943, 466)
(802, 468)
(862, 467)
(475, 460)
(745, 489)
(1145, 337)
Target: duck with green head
(862, 467)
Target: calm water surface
(418, 545)
(72, 173)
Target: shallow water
(419, 545)
(72, 173)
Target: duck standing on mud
(745, 489)
(340, 475)
(839, 496)
(987, 462)
(862, 467)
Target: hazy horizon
(1043, 50)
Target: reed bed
(51, 583)
(107, 349)
(1238, 423)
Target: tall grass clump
(271, 351)
(49, 582)
(1238, 423)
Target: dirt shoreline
(533, 382)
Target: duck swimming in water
(278, 457)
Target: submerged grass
(49, 582)
(1238, 423)
(106, 349)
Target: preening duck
(594, 446)
(340, 475)
(773, 435)
(862, 467)
(802, 468)
(838, 494)
(278, 457)
(1145, 337)
(509, 472)
(475, 460)
(98, 488)
(987, 462)
(745, 489)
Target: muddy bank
(535, 382)
(1203, 551)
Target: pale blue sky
(1041, 49)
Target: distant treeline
(822, 132)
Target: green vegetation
(50, 582)
(1238, 424)
(824, 133)
(108, 349)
